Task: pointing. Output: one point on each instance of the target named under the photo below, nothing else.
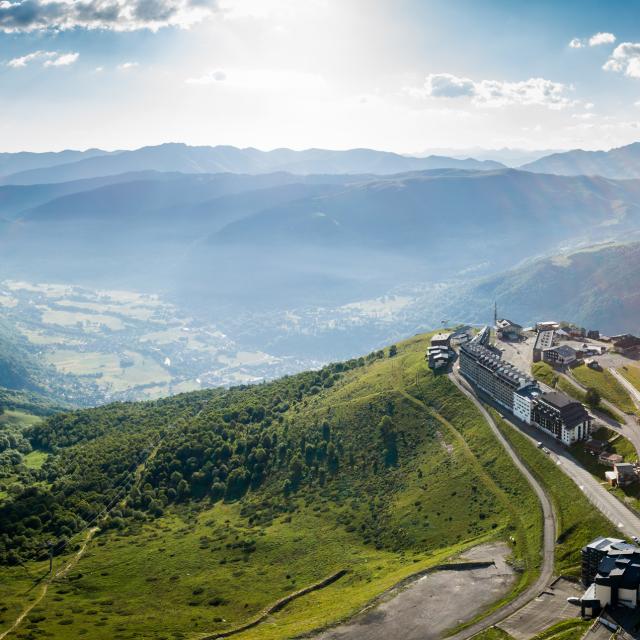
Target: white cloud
(116, 15)
(49, 59)
(601, 38)
(208, 78)
(262, 79)
(625, 59)
(63, 60)
(496, 93)
(446, 85)
(127, 65)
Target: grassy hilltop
(222, 502)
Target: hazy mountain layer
(622, 162)
(186, 159)
(597, 288)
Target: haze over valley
(319, 320)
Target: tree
(592, 398)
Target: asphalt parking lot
(547, 609)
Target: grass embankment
(632, 374)
(606, 385)
(203, 568)
(545, 373)
(617, 444)
(578, 521)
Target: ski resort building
(611, 573)
(524, 401)
(544, 340)
(562, 417)
(490, 373)
(561, 356)
(555, 413)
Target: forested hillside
(216, 503)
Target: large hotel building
(555, 413)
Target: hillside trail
(549, 516)
(73, 561)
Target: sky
(399, 75)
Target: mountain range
(276, 240)
(596, 287)
(174, 157)
(618, 163)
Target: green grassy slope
(578, 521)
(608, 387)
(377, 467)
(632, 374)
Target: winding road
(629, 428)
(631, 390)
(549, 530)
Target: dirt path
(72, 562)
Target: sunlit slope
(374, 466)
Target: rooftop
(493, 361)
(564, 350)
(571, 411)
(544, 340)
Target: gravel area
(438, 601)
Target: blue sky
(403, 75)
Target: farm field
(114, 377)
(84, 333)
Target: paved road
(631, 390)
(629, 429)
(546, 572)
(595, 491)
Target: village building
(441, 340)
(610, 459)
(611, 573)
(625, 474)
(508, 330)
(626, 344)
(544, 340)
(549, 325)
(561, 356)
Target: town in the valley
(550, 381)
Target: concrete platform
(547, 609)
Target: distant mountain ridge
(27, 160)
(597, 287)
(290, 239)
(618, 163)
(175, 157)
